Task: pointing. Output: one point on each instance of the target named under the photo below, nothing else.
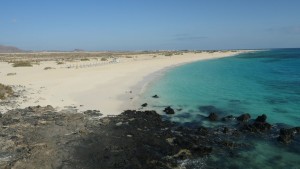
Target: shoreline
(106, 87)
(149, 79)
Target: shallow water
(265, 82)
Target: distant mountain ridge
(10, 49)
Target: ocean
(261, 82)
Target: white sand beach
(109, 88)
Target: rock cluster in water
(41, 137)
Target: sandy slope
(104, 87)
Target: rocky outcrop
(259, 125)
(40, 137)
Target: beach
(51, 119)
(111, 87)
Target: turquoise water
(265, 82)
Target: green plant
(103, 59)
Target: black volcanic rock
(155, 96)
(213, 117)
(169, 110)
(144, 105)
(39, 137)
(287, 135)
(244, 117)
(258, 125)
(261, 119)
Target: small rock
(169, 110)
(144, 105)
(261, 118)
(212, 117)
(244, 117)
(155, 96)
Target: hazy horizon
(134, 25)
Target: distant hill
(10, 49)
(78, 50)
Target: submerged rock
(287, 135)
(228, 118)
(209, 109)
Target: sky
(149, 24)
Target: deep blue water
(264, 82)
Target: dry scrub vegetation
(5, 91)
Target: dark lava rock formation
(40, 137)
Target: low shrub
(84, 59)
(103, 59)
(22, 64)
(5, 91)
